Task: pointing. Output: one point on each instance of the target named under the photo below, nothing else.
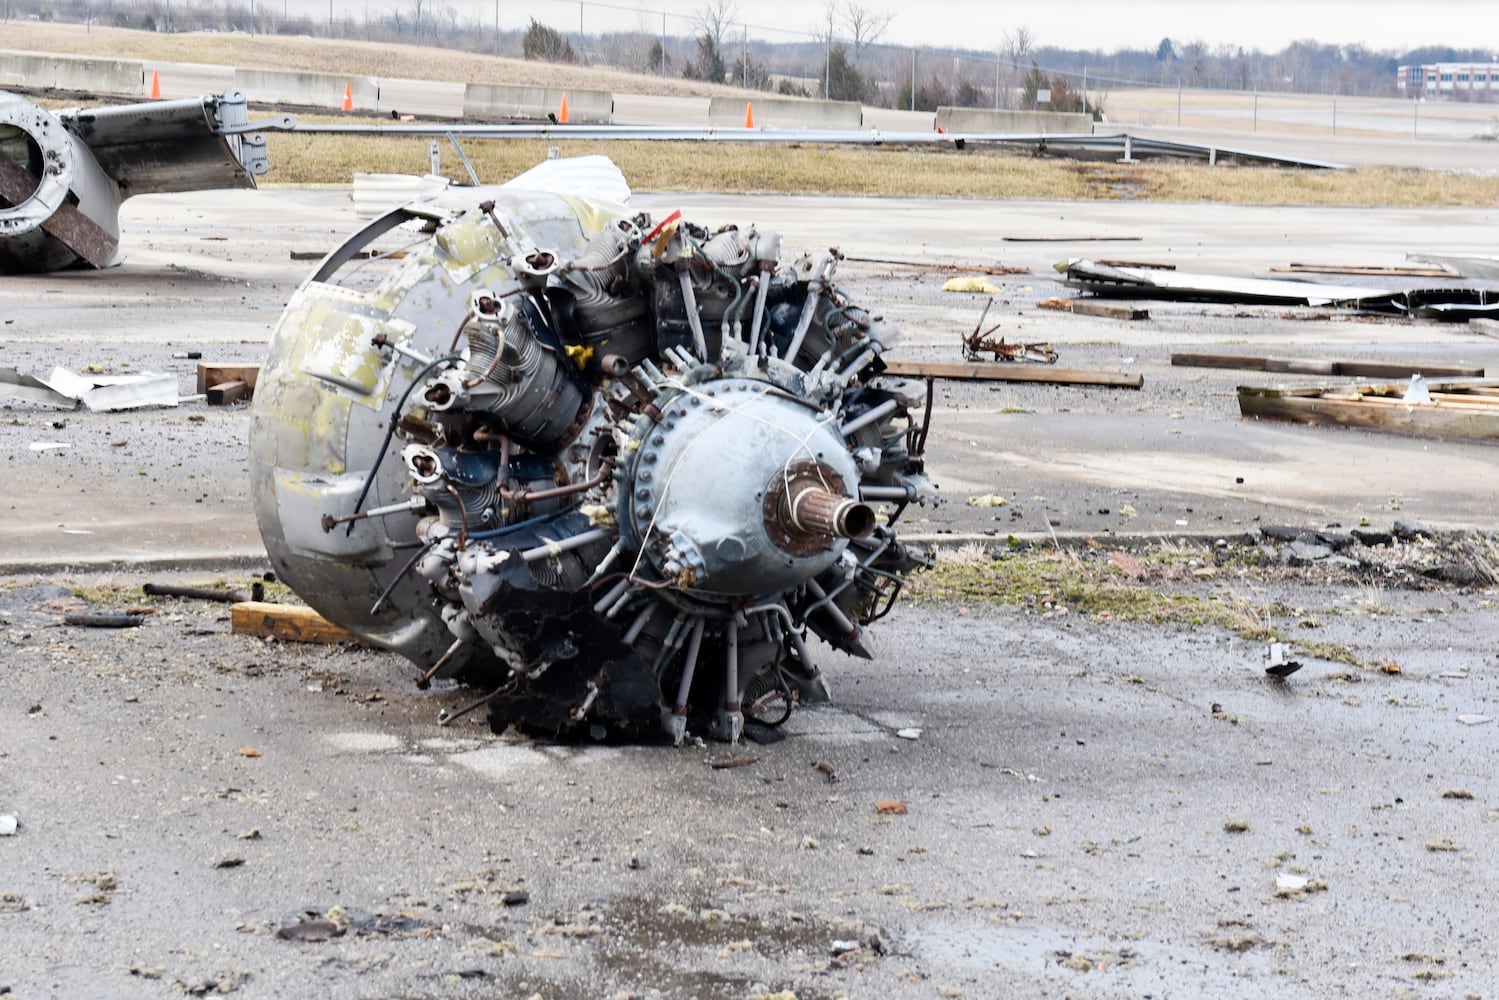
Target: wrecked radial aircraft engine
(610, 470)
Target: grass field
(885, 172)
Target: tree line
(841, 57)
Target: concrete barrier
(180, 80)
(979, 120)
(784, 112)
(318, 90)
(487, 102)
(420, 97)
(49, 72)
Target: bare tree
(865, 25)
(714, 18)
(1016, 49)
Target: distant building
(1434, 79)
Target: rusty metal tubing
(606, 466)
(694, 646)
(818, 512)
(425, 680)
(566, 545)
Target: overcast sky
(1087, 24)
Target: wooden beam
(1323, 366)
(227, 392)
(1392, 271)
(212, 375)
(984, 372)
(1092, 307)
(1461, 417)
(90, 241)
(291, 622)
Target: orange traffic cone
(155, 85)
(348, 97)
(749, 114)
(562, 114)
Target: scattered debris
(1276, 664)
(1323, 366)
(724, 763)
(8, 825)
(1072, 239)
(229, 862)
(1466, 409)
(988, 500)
(981, 342)
(1443, 845)
(1471, 265)
(826, 769)
(1375, 270)
(1456, 793)
(911, 733)
(318, 929)
(989, 372)
(289, 622)
(1083, 307)
(103, 621)
(891, 807)
(996, 269)
(1474, 720)
(1236, 826)
(225, 384)
(971, 284)
(516, 897)
(99, 393)
(247, 752)
(1452, 304)
(199, 593)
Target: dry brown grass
(885, 172)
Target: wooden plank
(982, 372)
(1072, 239)
(70, 227)
(1422, 421)
(1093, 307)
(934, 265)
(1393, 271)
(211, 375)
(1322, 366)
(291, 622)
(228, 392)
